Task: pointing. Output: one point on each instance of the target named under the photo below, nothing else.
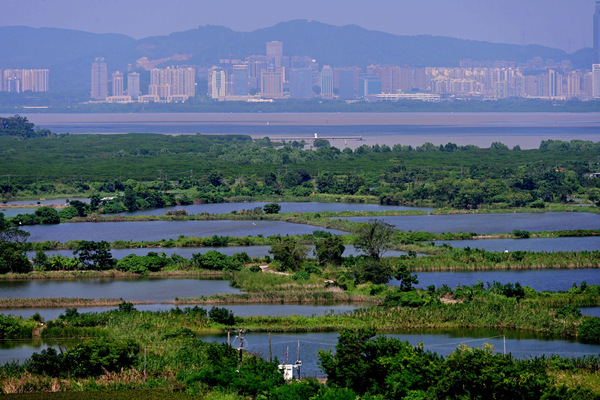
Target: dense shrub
(589, 330)
(272, 208)
(216, 261)
(221, 316)
(47, 215)
(87, 359)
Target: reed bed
(54, 302)
(476, 260)
(280, 297)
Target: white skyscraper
(219, 82)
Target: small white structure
(288, 371)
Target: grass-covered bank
(59, 302)
(66, 275)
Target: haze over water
(481, 129)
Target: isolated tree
(272, 208)
(288, 252)
(373, 237)
(94, 255)
(330, 250)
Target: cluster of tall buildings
(168, 84)
(275, 76)
(172, 84)
(21, 80)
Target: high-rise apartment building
(117, 84)
(390, 80)
(271, 83)
(420, 81)
(596, 81)
(167, 82)
(406, 81)
(240, 80)
(347, 87)
(574, 84)
(275, 53)
(133, 85)
(597, 33)
(301, 83)
(99, 79)
(327, 82)
(554, 83)
(21, 80)
(218, 84)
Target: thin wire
(465, 341)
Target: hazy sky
(565, 24)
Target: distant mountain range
(69, 54)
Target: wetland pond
(157, 230)
(589, 243)
(539, 279)
(490, 223)
(131, 289)
(291, 207)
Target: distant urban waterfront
(480, 129)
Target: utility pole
(270, 352)
(240, 345)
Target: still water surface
(13, 212)
(520, 344)
(491, 223)
(441, 342)
(298, 207)
(157, 230)
(540, 280)
(591, 243)
(132, 289)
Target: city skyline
(554, 23)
